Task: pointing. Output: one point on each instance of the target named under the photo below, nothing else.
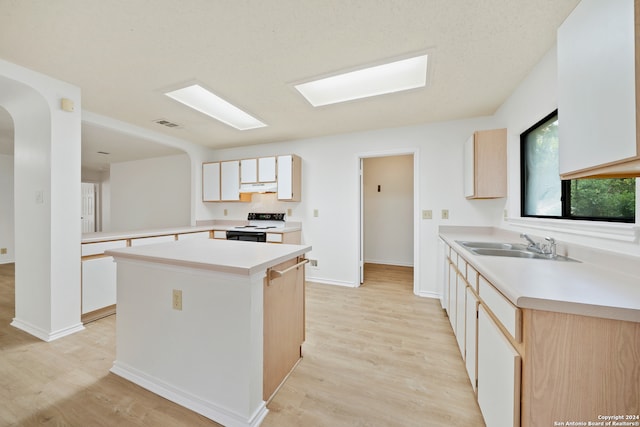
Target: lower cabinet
(471, 337)
(98, 287)
(461, 312)
(499, 368)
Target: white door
(88, 207)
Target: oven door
(248, 236)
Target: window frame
(565, 199)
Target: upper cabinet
(235, 180)
(485, 165)
(598, 90)
(211, 182)
(230, 181)
(258, 170)
(289, 178)
(266, 169)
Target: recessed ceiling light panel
(379, 80)
(200, 99)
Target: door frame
(416, 211)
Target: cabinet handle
(278, 273)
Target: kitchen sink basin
(492, 245)
(511, 250)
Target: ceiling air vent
(167, 123)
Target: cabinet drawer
(151, 240)
(472, 277)
(99, 248)
(274, 237)
(196, 235)
(508, 314)
(219, 234)
(462, 266)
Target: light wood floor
(374, 356)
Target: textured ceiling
(123, 54)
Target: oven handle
(279, 273)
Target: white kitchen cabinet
(461, 290)
(230, 180)
(196, 235)
(452, 307)
(267, 169)
(211, 182)
(443, 272)
(98, 284)
(289, 178)
(259, 170)
(471, 336)
(597, 79)
(248, 171)
(499, 373)
(485, 165)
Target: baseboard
(43, 334)
(309, 278)
(429, 294)
(387, 262)
(7, 261)
(189, 401)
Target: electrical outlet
(177, 299)
(3, 251)
(225, 212)
(427, 214)
(315, 212)
(313, 262)
(445, 213)
(289, 212)
(506, 215)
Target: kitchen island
(212, 325)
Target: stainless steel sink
(512, 250)
(492, 245)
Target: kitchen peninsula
(212, 325)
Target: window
(544, 195)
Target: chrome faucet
(548, 249)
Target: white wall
(535, 98)
(150, 193)
(47, 200)
(388, 213)
(330, 183)
(6, 208)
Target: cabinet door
(499, 371)
(471, 336)
(230, 180)
(453, 279)
(469, 168)
(248, 171)
(266, 169)
(596, 81)
(289, 178)
(98, 283)
(443, 272)
(486, 165)
(211, 182)
(460, 313)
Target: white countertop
(237, 257)
(151, 232)
(583, 288)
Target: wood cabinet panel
(471, 337)
(579, 367)
(283, 327)
(486, 165)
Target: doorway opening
(388, 217)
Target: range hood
(259, 187)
